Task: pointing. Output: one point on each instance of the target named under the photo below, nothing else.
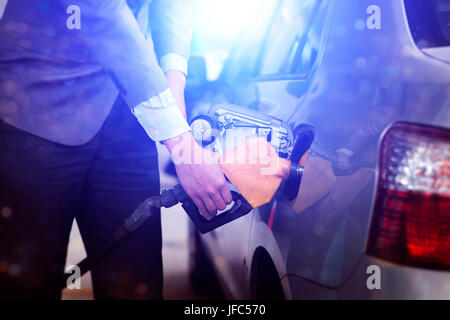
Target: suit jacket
(60, 83)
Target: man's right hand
(200, 174)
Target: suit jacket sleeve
(171, 26)
(114, 40)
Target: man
(71, 148)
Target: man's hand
(200, 174)
(198, 170)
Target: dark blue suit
(71, 148)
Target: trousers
(44, 186)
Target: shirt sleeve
(160, 117)
(171, 27)
(174, 61)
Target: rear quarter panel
(367, 80)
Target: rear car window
(429, 21)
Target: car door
(228, 244)
(289, 56)
(284, 78)
(311, 234)
(321, 234)
(269, 81)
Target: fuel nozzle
(303, 137)
(252, 185)
(177, 195)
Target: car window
(290, 32)
(243, 56)
(308, 46)
(429, 22)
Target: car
(372, 217)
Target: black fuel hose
(125, 231)
(167, 199)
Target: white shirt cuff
(174, 61)
(160, 117)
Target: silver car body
(360, 80)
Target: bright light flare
(220, 22)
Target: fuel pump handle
(177, 194)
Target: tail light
(411, 218)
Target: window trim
(262, 49)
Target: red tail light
(411, 218)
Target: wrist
(184, 149)
(176, 79)
(171, 143)
(177, 83)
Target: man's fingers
(206, 206)
(226, 193)
(218, 201)
(210, 206)
(201, 207)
